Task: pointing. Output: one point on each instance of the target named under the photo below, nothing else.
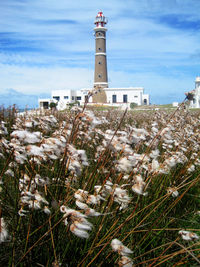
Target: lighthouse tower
(100, 73)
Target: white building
(62, 98)
(65, 97)
(118, 96)
(114, 96)
(122, 96)
(195, 102)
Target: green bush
(133, 105)
(53, 105)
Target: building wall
(62, 95)
(65, 97)
(124, 95)
(134, 95)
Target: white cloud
(35, 80)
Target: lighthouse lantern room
(100, 20)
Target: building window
(145, 101)
(125, 98)
(78, 98)
(45, 105)
(66, 97)
(135, 96)
(114, 98)
(56, 98)
(72, 97)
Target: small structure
(44, 103)
(175, 104)
(195, 99)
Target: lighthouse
(101, 93)
(100, 72)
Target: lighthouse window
(100, 49)
(100, 34)
(99, 75)
(99, 62)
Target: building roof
(124, 88)
(116, 89)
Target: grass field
(100, 187)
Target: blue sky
(48, 44)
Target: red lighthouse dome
(100, 20)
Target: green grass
(149, 224)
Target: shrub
(133, 105)
(53, 105)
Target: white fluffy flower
(118, 246)
(186, 235)
(81, 205)
(124, 165)
(78, 232)
(27, 137)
